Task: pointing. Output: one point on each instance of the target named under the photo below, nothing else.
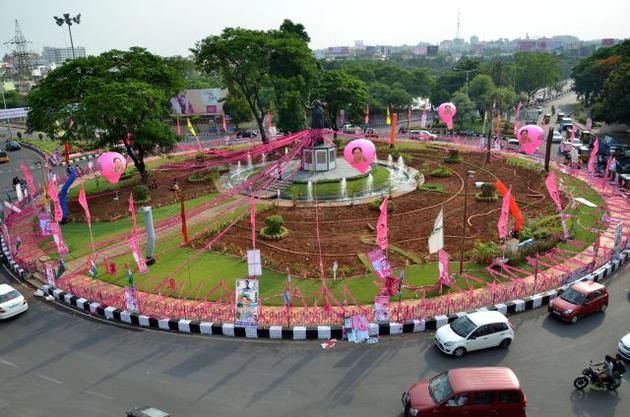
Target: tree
(249, 61)
(536, 70)
(296, 29)
(14, 99)
(480, 88)
(119, 94)
(503, 98)
(236, 107)
(614, 104)
(340, 90)
(465, 107)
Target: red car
(580, 299)
(467, 392)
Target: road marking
(49, 379)
(11, 364)
(96, 394)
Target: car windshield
(9, 296)
(440, 388)
(463, 326)
(572, 296)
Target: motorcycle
(591, 375)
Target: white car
(557, 137)
(624, 347)
(479, 330)
(12, 302)
(422, 135)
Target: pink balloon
(446, 112)
(112, 166)
(360, 153)
(530, 137)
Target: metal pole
(71, 42)
(461, 246)
(5, 107)
(548, 149)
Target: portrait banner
(379, 262)
(62, 248)
(131, 299)
(246, 294)
(381, 309)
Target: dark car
(246, 133)
(13, 146)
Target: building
(432, 50)
(59, 55)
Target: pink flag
(137, 254)
(517, 118)
(62, 248)
(132, 210)
(552, 188)
(381, 226)
(29, 179)
(178, 128)
(503, 218)
(52, 193)
(443, 268)
(593, 157)
(609, 163)
(572, 133)
(224, 124)
(252, 218)
(83, 202)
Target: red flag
(178, 128)
(252, 218)
(552, 188)
(381, 227)
(66, 147)
(84, 204)
(514, 210)
(503, 218)
(593, 157)
(52, 193)
(29, 179)
(443, 268)
(366, 119)
(132, 210)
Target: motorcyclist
(607, 375)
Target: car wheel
(603, 308)
(505, 343)
(459, 352)
(574, 319)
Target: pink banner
(379, 262)
(29, 179)
(132, 210)
(54, 197)
(443, 268)
(609, 163)
(552, 188)
(83, 202)
(137, 254)
(381, 227)
(62, 248)
(573, 133)
(252, 219)
(502, 225)
(593, 157)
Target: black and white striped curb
(80, 158)
(314, 332)
(7, 257)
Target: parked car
(13, 146)
(4, 157)
(513, 145)
(475, 331)
(245, 133)
(370, 133)
(12, 302)
(579, 300)
(557, 137)
(624, 347)
(421, 135)
(348, 129)
(490, 391)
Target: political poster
(44, 223)
(49, 271)
(379, 262)
(131, 299)
(198, 101)
(381, 309)
(246, 302)
(618, 239)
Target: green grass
(380, 177)
(48, 146)
(583, 218)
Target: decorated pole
(392, 135)
(148, 224)
(182, 214)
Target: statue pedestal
(320, 158)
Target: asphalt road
(54, 363)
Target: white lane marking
(11, 364)
(49, 379)
(96, 394)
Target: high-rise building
(59, 55)
(474, 40)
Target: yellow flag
(190, 127)
(60, 132)
(388, 118)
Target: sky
(172, 27)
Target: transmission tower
(22, 60)
(456, 35)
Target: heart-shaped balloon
(360, 153)
(112, 166)
(447, 111)
(530, 137)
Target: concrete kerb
(134, 319)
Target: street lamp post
(68, 21)
(469, 174)
(4, 101)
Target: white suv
(479, 330)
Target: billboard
(204, 101)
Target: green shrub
(376, 205)
(441, 172)
(200, 157)
(141, 193)
(488, 190)
(453, 156)
(274, 224)
(438, 188)
(483, 252)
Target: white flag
(436, 240)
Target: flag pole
(92, 238)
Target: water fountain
(390, 161)
(369, 184)
(401, 163)
(249, 162)
(309, 191)
(343, 192)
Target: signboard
(381, 309)
(380, 263)
(618, 239)
(50, 274)
(203, 101)
(254, 265)
(17, 113)
(246, 302)
(131, 299)
(44, 224)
